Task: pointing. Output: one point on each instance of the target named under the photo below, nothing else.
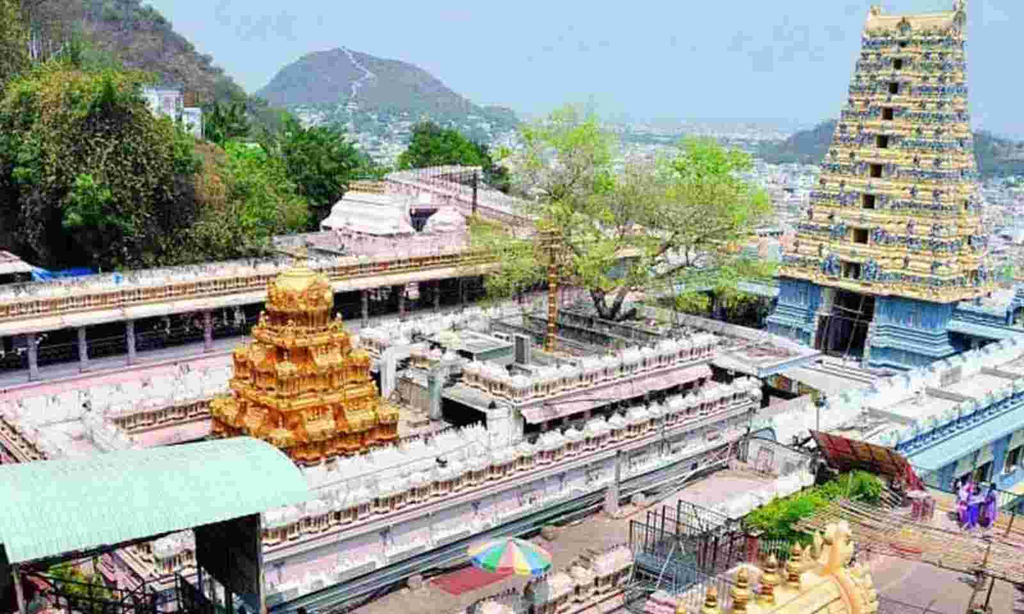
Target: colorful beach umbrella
(510, 555)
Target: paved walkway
(596, 532)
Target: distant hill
(342, 77)
(995, 156)
(140, 38)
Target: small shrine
(300, 385)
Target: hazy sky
(742, 59)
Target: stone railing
(551, 381)
(104, 292)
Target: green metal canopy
(56, 506)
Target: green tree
(432, 145)
(96, 179)
(267, 201)
(651, 226)
(321, 162)
(13, 54)
(223, 123)
(73, 582)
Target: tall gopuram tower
(300, 385)
(892, 238)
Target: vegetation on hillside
(995, 156)
(91, 177)
(433, 145)
(652, 226)
(777, 519)
(137, 35)
(325, 78)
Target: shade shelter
(65, 509)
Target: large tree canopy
(433, 145)
(650, 226)
(93, 176)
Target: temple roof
(372, 214)
(916, 21)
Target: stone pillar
(754, 547)
(435, 380)
(129, 336)
(437, 295)
(19, 592)
(401, 302)
(462, 292)
(32, 343)
(611, 496)
(83, 350)
(208, 331)
(365, 296)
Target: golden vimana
(300, 385)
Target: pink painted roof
(128, 374)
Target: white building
(170, 102)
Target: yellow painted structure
(897, 210)
(300, 385)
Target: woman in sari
(989, 510)
(962, 494)
(974, 507)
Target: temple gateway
(891, 247)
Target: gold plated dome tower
(300, 385)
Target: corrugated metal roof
(56, 506)
(968, 441)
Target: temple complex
(300, 385)
(892, 240)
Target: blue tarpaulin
(44, 275)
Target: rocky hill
(995, 156)
(350, 79)
(137, 36)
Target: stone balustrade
(114, 291)
(131, 406)
(548, 382)
(847, 407)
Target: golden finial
(710, 603)
(769, 580)
(741, 592)
(793, 567)
(301, 254)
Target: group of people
(974, 507)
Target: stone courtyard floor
(908, 587)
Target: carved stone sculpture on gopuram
(300, 385)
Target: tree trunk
(612, 312)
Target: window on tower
(860, 235)
(876, 171)
(897, 64)
(851, 270)
(894, 88)
(882, 141)
(887, 114)
(867, 201)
